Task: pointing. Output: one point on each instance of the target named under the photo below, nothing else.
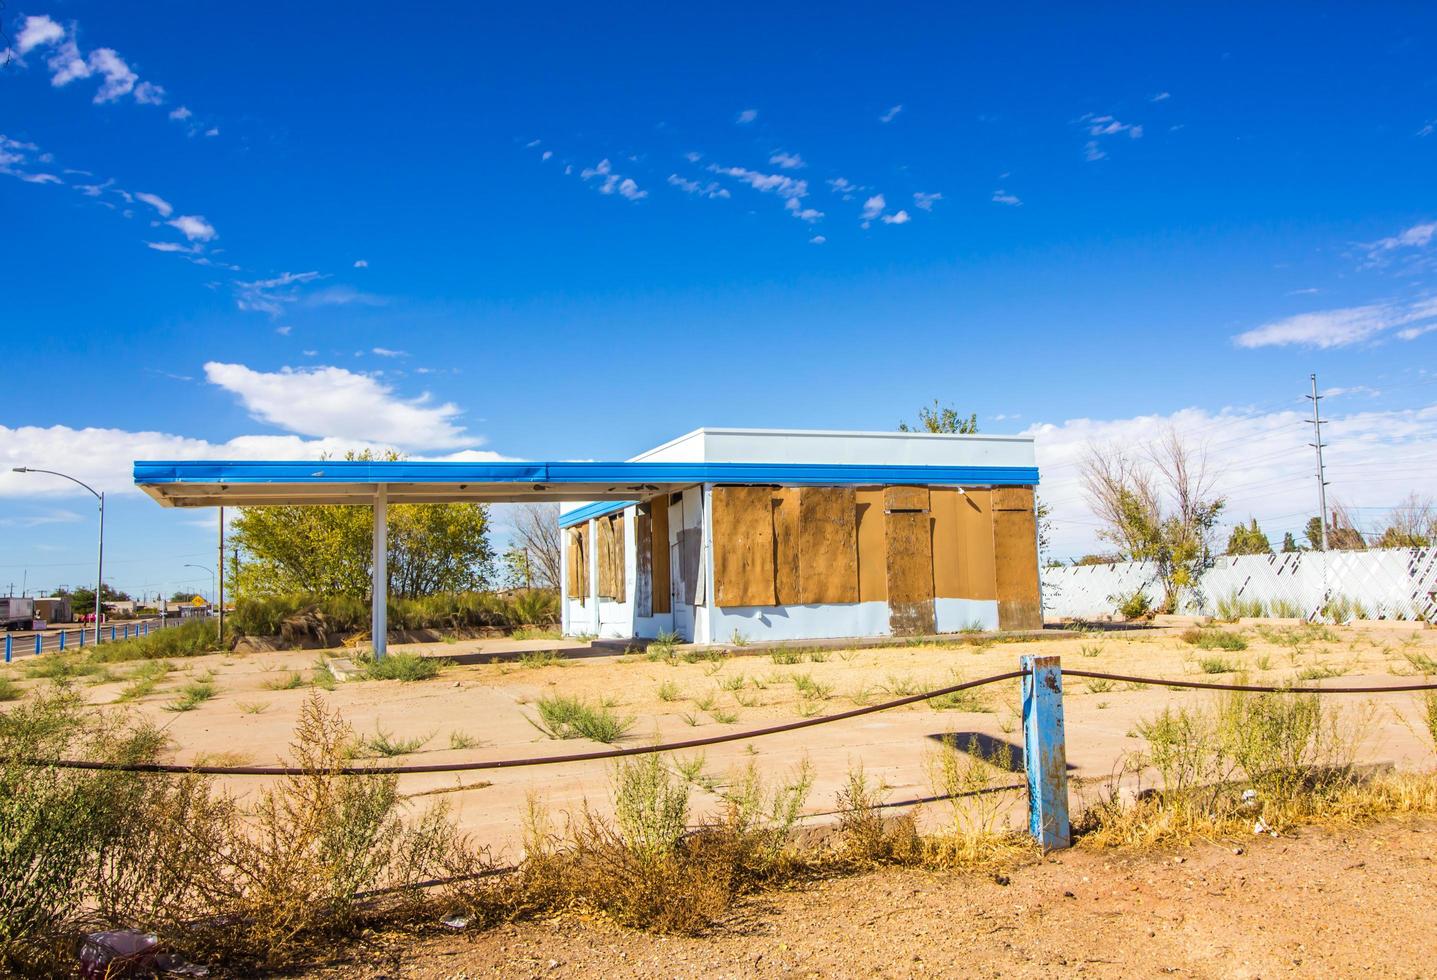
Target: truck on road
(17, 613)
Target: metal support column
(379, 586)
(1045, 754)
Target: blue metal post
(37, 644)
(1045, 753)
(62, 640)
(82, 636)
(127, 631)
(9, 647)
(112, 634)
(147, 628)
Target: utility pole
(1316, 421)
(220, 564)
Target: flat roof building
(723, 533)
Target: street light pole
(206, 568)
(100, 563)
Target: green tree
(82, 601)
(1159, 508)
(942, 419)
(1289, 543)
(1341, 535)
(326, 550)
(1411, 524)
(1248, 539)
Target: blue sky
(576, 231)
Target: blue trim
(621, 476)
(589, 511)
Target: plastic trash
(457, 922)
(119, 953)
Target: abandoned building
(787, 535)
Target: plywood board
(943, 504)
(905, 498)
(785, 546)
(827, 545)
(644, 560)
(1013, 498)
(975, 519)
(578, 577)
(910, 573)
(617, 555)
(1015, 553)
(603, 551)
(689, 554)
(872, 546)
(743, 546)
(659, 523)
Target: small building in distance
(799, 534)
(54, 609)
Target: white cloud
(897, 218)
(1428, 128)
(1412, 333)
(342, 296)
(746, 116)
(180, 114)
(1160, 97)
(1001, 196)
(1325, 329)
(361, 263)
(1263, 463)
(212, 131)
(873, 207)
(387, 352)
(148, 93)
(710, 189)
(924, 201)
(547, 154)
(1101, 127)
(1092, 152)
(817, 240)
(283, 331)
(37, 32)
(613, 183)
(271, 295)
(845, 187)
(332, 402)
(40, 178)
(156, 202)
(104, 458)
(119, 79)
(891, 114)
(175, 247)
(788, 161)
(1416, 237)
(194, 227)
(791, 190)
(67, 64)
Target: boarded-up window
(651, 558)
(689, 555)
(1015, 559)
(578, 560)
(827, 545)
(785, 546)
(947, 544)
(743, 546)
(907, 528)
(975, 519)
(872, 546)
(609, 549)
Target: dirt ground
(1321, 904)
(479, 709)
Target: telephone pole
(1316, 421)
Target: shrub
(10, 691)
(1214, 639)
(264, 615)
(568, 717)
(191, 639)
(1233, 607)
(1134, 605)
(400, 666)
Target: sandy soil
(483, 710)
(1325, 903)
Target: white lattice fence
(1389, 584)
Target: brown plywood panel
(617, 556)
(947, 543)
(975, 520)
(872, 547)
(643, 560)
(827, 545)
(603, 551)
(785, 546)
(1012, 498)
(910, 573)
(689, 555)
(659, 518)
(1015, 548)
(743, 546)
(905, 498)
(577, 568)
